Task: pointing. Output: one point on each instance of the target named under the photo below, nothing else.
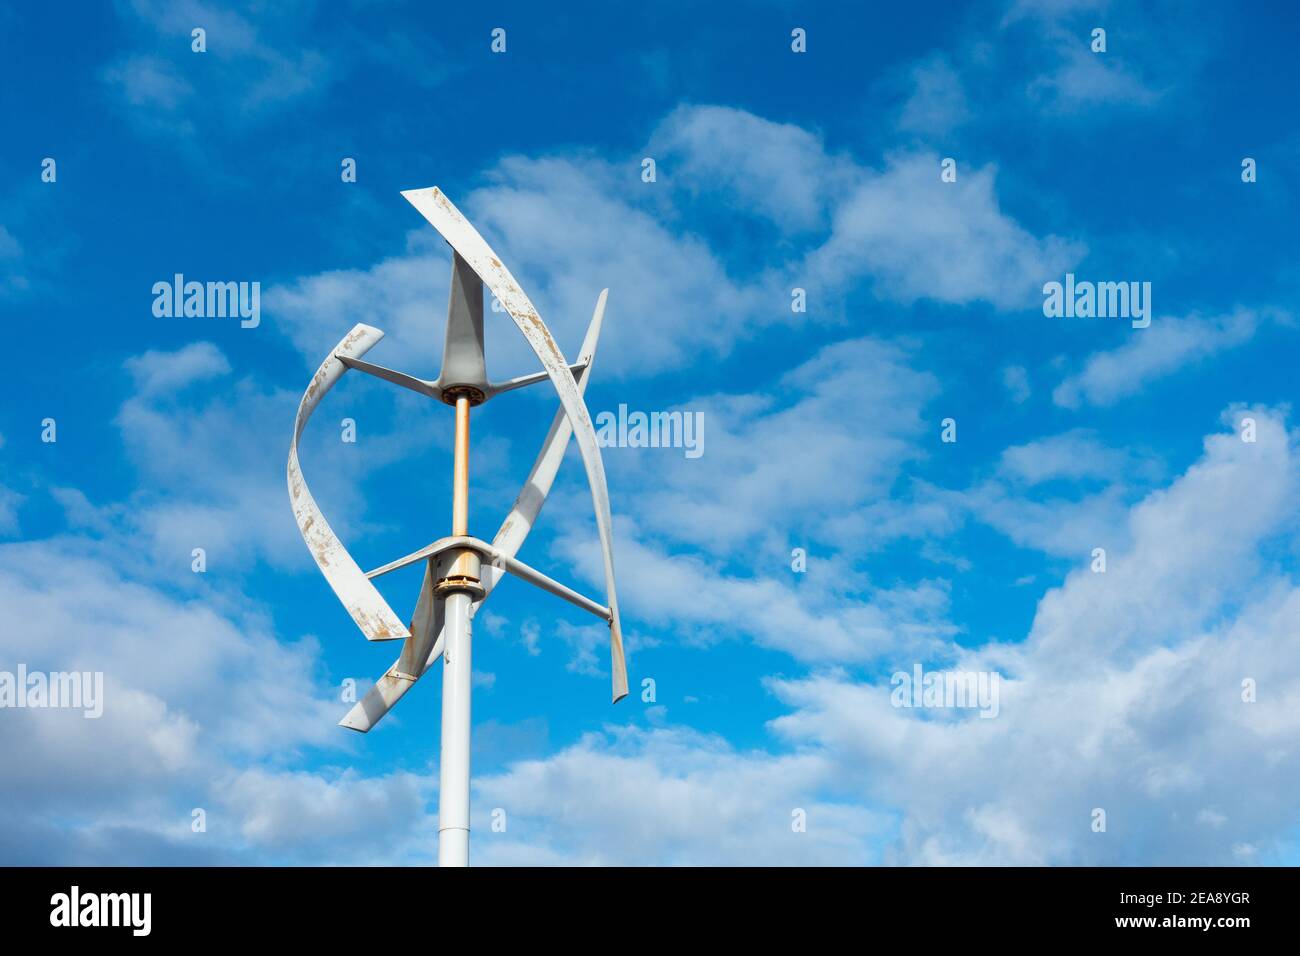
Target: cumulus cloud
(1158, 351)
(147, 81)
(779, 171)
(830, 615)
(1016, 380)
(937, 102)
(1083, 79)
(831, 436)
(191, 688)
(1075, 454)
(1126, 696)
(671, 796)
(919, 238)
(1062, 494)
(336, 818)
(254, 74)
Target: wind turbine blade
(366, 605)
(462, 351)
(587, 354)
(465, 240)
(537, 485)
(419, 653)
(390, 688)
(426, 622)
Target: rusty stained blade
(366, 605)
(392, 687)
(443, 215)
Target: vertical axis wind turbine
(460, 571)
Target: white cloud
(1063, 494)
(191, 688)
(1160, 350)
(1057, 525)
(776, 170)
(568, 228)
(1084, 79)
(147, 81)
(794, 460)
(1072, 455)
(670, 796)
(831, 615)
(68, 605)
(160, 372)
(1016, 380)
(253, 74)
(920, 238)
(1126, 696)
(1060, 34)
(937, 103)
(398, 295)
(341, 818)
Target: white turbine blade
(368, 608)
(399, 678)
(537, 485)
(426, 623)
(390, 688)
(464, 238)
(419, 653)
(587, 354)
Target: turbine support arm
(497, 559)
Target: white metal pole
(453, 785)
(453, 789)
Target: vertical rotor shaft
(460, 476)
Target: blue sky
(775, 170)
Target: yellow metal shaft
(460, 478)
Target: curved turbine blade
(466, 241)
(528, 504)
(419, 654)
(368, 608)
(390, 688)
